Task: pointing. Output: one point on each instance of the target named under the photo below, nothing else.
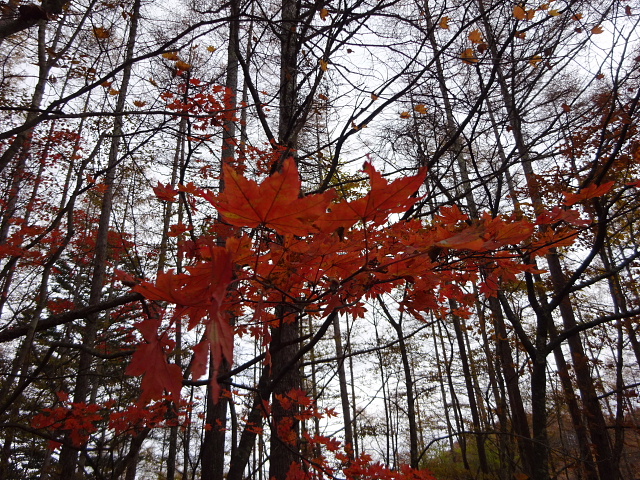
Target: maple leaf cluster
(79, 419)
(320, 254)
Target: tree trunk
(68, 455)
(344, 392)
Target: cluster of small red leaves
(301, 404)
(135, 417)
(333, 457)
(357, 468)
(78, 419)
(210, 104)
(262, 158)
(20, 242)
(607, 140)
(83, 243)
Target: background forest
(350, 239)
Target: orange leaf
(275, 203)
(535, 60)
(469, 56)
(420, 108)
(173, 56)
(405, 115)
(324, 65)
(101, 32)
(451, 215)
(592, 191)
(519, 12)
(597, 30)
(476, 36)
(165, 192)
(150, 360)
(468, 239)
(324, 13)
(182, 65)
(444, 23)
(383, 199)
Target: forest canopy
(319, 240)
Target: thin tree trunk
(408, 379)
(344, 392)
(468, 377)
(68, 455)
(213, 451)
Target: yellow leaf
(374, 97)
(597, 30)
(468, 56)
(101, 32)
(519, 12)
(405, 115)
(173, 56)
(476, 36)
(324, 13)
(180, 65)
(444, 23)
(324, 65)
(554, 13)
(139, 103)
(535, 60)
(421, 108)
(211, 48)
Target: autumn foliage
(319, 240)
(321, 254)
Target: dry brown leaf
(469, 56)
(476, 36)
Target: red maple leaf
(592, 191)
(165, 192)
(199, 295)
(275, 203)
(383, 199)
(150, 361)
